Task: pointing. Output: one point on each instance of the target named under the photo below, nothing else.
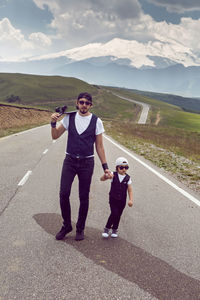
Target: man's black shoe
(62, 233)
(79, 235)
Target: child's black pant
(116, 208)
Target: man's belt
(78, 156)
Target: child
(121, 182)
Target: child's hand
(106, 176)
(109, 175)
(130, 203)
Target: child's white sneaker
(105, 233)
(114, 233)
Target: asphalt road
(155, 257)
(145, 108)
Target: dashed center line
(28, 173)
(25, 178)
(45, 151)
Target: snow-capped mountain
(139, 54)
(157, 66)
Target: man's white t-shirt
(82, 123)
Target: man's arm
(101, 152)
(100, 148)
(56, 132)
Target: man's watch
(105, 166)
(53, 124)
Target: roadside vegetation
(170, 139)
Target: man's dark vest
(118, 189)
(81, 145)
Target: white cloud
(12, 41)
(178, 6)
(185, 33)
(14, 45)
(39, 39)
(11, 35)
(80, 22)
(53, 5)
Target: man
(84, 130)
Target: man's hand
(55, 117)
(56, 132)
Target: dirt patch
(17, 117)
(157, 118)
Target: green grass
(109, 107)
(171, 116)
(45, 91)
(180, 119)
(179, 141)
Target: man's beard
(83, 111)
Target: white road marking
(45, 151)
(180, 190)
(25, 178)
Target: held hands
(108, 174)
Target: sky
(31, 28)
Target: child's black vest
(81, 145)
(118, 189)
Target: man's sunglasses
(123, 167)
(85, 102)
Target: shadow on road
(150, 273)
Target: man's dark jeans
(83, 168)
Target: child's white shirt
(121, 177)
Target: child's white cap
(121, 161)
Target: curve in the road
(145, 108)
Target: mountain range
(121, 63)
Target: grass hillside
(43, 91)
(170, 139)
(170, 116)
